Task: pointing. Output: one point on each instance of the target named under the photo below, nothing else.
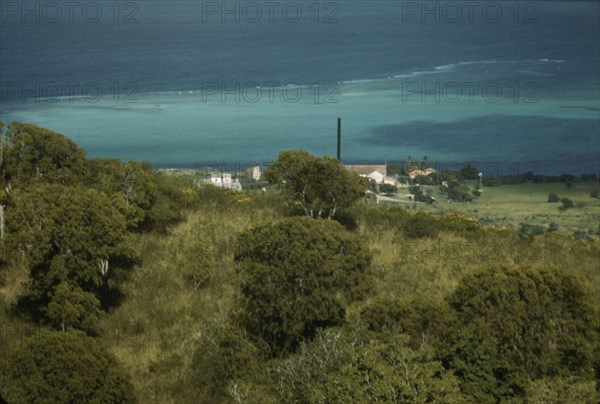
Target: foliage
(68, 234)
(531, 229)
(34, 154)
(198, 262)
(457, 191)
(390, 372)
(419, 195)
(152, 201)
(566, 204)
(411, 165)
(562, 390)
(71, 307)
(350, 365)
(517, 324)
(553, 198)
(298, 275)
(427, 321)
(64, 368)
(388, 189)
(377, 216)
(423, 180)
(393, 169)
(460, 224)
(224, 353)
(320, 184)
(420, 225)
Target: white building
(377, 173)
(224, 180)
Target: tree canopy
(320, 184)
(56, 367)
(519, 324)
(151, 202)
(31, 153)
(67, 234)
(297, 276)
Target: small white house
(377, 173)
(376, 176)
(224, 180)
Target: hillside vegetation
(171, 292)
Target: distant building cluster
(228, 181)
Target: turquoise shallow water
(455, 124)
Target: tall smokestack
(339, 139)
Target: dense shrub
(354, 366)
(298, 275)
(421, 225)
(566, 204)
(531, 229)
(520, 324)
(57, 367)
(224, 353)
(427, 321)
(553, 198)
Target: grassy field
(510, 205)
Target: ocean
(504, 85)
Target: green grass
(510, 205)
(154, 331)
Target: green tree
(419, 195)
(458, 192)
(31, 153)
(519, 324)
(224, 353)
(423, 180)
(298, 275)
(69, 234)
(427, 321)
(320, 184)
(133, 181)
(64, 368)
(71, 307)
(350, 365)
(390, 371)
(562, 390)
(152, 201)
(387, 189)
(394, 169)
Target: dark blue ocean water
(180, 83)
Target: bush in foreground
(519, 324)
(57, 367)
(298, 275)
